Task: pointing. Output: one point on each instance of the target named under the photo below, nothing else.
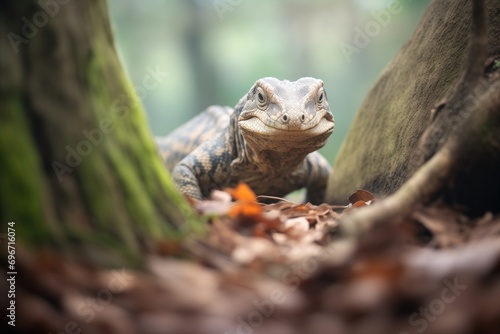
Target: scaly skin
(268, 141)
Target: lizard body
(268, 141)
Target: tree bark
(457, 157)
(79, 169)
(380, 151)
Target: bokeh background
(214, 50)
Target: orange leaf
(247, 205)
(248, 209)
(242, 192)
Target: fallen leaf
(297, 226)
(246, 204)
(246, 209)
(361, 195)
(359, 204)
(242, 192)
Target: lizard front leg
(186, 181)
(318, 171)
(205, 169)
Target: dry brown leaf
(359, 204)
(359, 199)
(361, 195)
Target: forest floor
(282, 268)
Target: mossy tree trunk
(382, 148)
(79, 168)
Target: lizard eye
(261, 97)
(321, 96)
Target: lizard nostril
(285, 118)
(302, 117)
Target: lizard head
(285, 116)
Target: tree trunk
(78, 161)
(381, 150)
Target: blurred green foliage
(214, 50)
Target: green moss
(21, 183)
(128, 161)
(113, 195)
(154, 175)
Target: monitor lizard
(267, 141)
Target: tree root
(469, 120)
(468, 141)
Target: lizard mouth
(266, 128)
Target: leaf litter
(281, 268)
